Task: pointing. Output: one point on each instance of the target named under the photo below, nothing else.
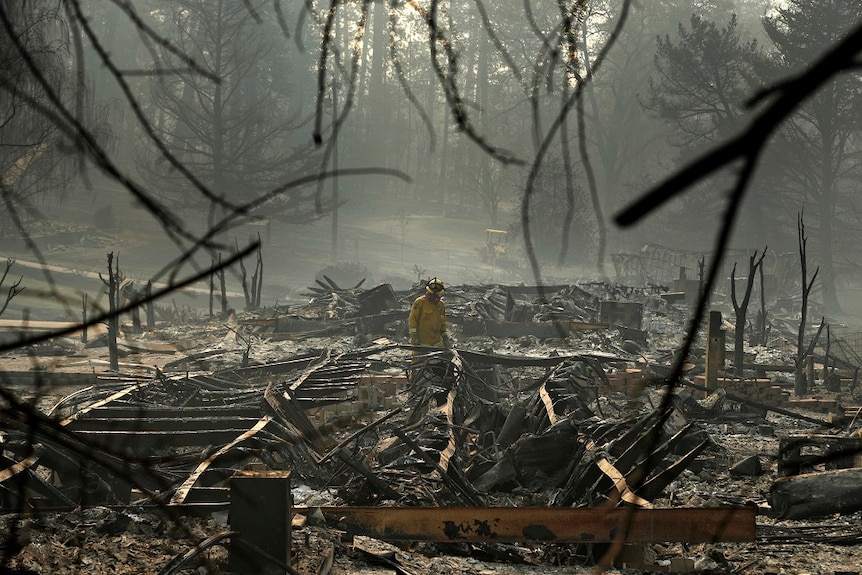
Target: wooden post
(260, 515)
(151, 316)
(259, 274)
(714, 350)
(84, 320)
(212, 285)
(223, 288)
(113, 319)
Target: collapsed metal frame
(258, 414)
(169, 440)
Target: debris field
(561, 432)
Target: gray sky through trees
(234, 110)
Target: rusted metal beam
(134, 440)
(765, 406)
(569, 524)
(121, 411)
(154, 425)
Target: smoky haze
(174, 134)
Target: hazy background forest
(387, 136)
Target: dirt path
(371, 243)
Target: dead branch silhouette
(779, 102)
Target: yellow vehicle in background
(496, 249)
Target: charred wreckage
(554, 423)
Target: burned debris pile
(177, 439)
(555, 398)
(170, 439)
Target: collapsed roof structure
(553, 397)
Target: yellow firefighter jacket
(427, 321)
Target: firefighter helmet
(435, 286)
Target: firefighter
(427, 321)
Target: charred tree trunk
(817, 494)
(212, 285)
(84, 319)
(15, 289)
(113, 283)
(134, 297)
(220, 273)
(760, 336)
(741, 309)
(801, 383)
(151, 315)
(257, 286)
(249, 302)
(252, 293)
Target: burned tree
(802, 350)
(741, 308)
(760, 324)
(14, 289)
(228, 129)
(37, 158)
(443, 44)
(816, 142)
(252, 293)
(217, 271)
(114, 292)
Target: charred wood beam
(765, 406)
(460, 487)
(137, 441)
(653, 445)
(377, 484)
(653, 486)
(142, 426)
(637, 450)
(621, 486)
(834, 452)
(198, 413)
(586, 473)
(84, 482)
(324, 360)
(90, 472)
(527, 361)
(183, 490)
(293, 364)
(19, 478)
(98, 404)
(182, 362)
(285, 405)
(547, 524)
(64, 459)
(346, 441)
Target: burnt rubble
(553, 397)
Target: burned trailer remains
(172, 439)
(451, 446)
(362, 422)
